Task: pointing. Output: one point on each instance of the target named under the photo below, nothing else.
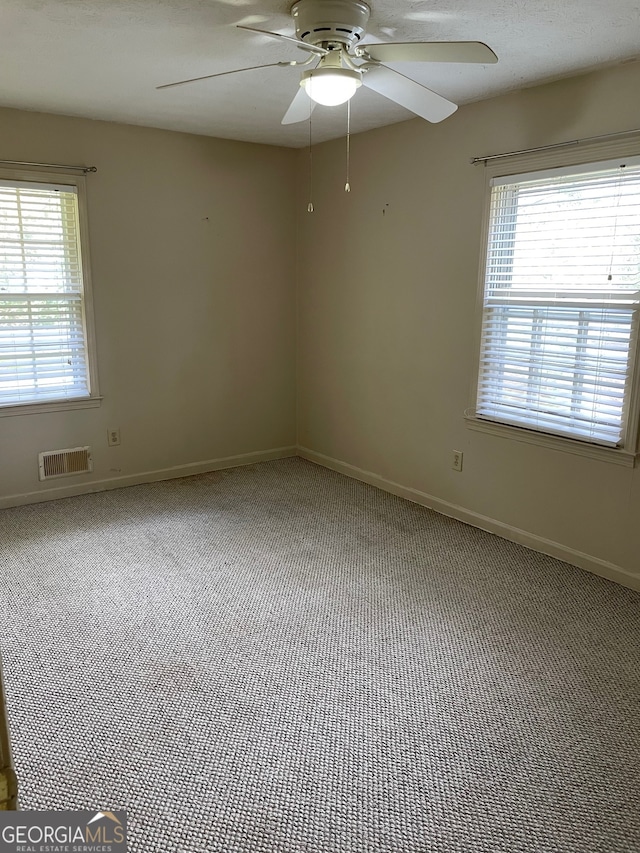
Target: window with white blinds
(43, 337)
(561, 302)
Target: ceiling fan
(331, 31)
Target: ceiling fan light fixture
(331, 86)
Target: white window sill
(49, 406)
(616, 455)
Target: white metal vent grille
(65, 463)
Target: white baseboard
(506, 531)
(176, 471)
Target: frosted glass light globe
(331, 86)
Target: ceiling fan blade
(312, 48)
(219, 74)
(406, 92)
(431, 51)
(300, 108)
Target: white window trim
(46, 176)
(586, 153)
(616, 455)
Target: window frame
(563, 159)
(93, 400)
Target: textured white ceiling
(103, 58)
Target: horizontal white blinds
(42, 329)
(562, 290)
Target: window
(561, 303)
(45, 350)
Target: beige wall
(193, 277)
(387, 320)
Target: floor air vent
(64, 463)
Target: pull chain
(310, 205)
(615, 225)
(347, 186)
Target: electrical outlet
(113, 436)
(456, 460)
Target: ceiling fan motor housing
(341, 21)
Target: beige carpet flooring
(277, 659)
